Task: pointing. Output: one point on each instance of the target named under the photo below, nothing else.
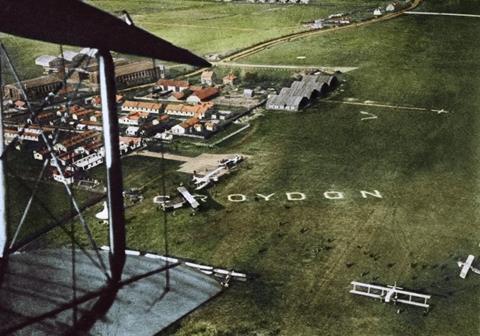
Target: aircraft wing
(466, 266)
(373, 291)
(73, 22)
(202, 185)
(188, 197)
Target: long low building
(133, 74)
(188, 111)
(37, 88)
(134, 106)
(301, 93)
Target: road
(294, 36)
(282, 67)
(376, 104)
(166, 156)
(443, 14)
(288, 38)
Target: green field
(301, 256)
(203, 26)
(213, 27)
(425, 163)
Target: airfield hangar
(301, 93)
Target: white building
(208, 77)
(393, 6)
(173, 85)
(66, 178)
(248, 93)
(132, 130)
(178, 129)
(134, 118)
(134, 106)
(90, 161)
(50, 63)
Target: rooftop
(190, 122)
(39, 81)
(133, 67)
(141, 105)
(206, 93)
(69, 55)
(230, 77)
(173, 82)
(45, 60)
(207, 74)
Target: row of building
(340, 19)
(52, 84)
(179, 119)
(182, 91)
(209, 77)
(391, 7)
(76, 152)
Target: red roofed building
(173, 85)
(134, 118)
(185, 126)
(203, 95)
(20, 104)
(97, 101)
(187, 111)
(229, 79)
(133, 106)
(177, 96)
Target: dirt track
(295, 36)
(291, 37)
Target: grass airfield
(425, 163)
(302, 255)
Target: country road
(443, 14)
(282, 67)
(295, 36)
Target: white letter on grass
(333, 195)
(375, 193)
(266, 198)
(296, 196)
(237, 198)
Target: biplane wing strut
(64, 22)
